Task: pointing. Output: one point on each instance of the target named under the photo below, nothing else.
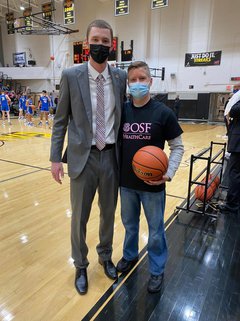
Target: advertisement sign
(210, 58)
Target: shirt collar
(94, 73)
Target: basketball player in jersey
(30, 110)
(22, 106)
(146, 122)
(44, 104)
(4, 103)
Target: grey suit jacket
(74, 113)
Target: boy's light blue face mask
(138, 89)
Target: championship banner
(27, 18)
(121, 7)
(210, 58)
(10, 23)
(69, 12)
(47, 10)
(159, 4)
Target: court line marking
(27, 165)
(14, 177)
(25, 174)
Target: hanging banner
(10, 23)
(210, 58)
(27, 18)
(69, 12)
(114, 53)
(159, 4)
(47, 10)
(121, 7)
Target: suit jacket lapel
(83, 83)
(116, 88)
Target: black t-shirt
(151, 124)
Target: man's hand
(57, 172)
(164, 179)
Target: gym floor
(37, 273)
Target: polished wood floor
(37, 274)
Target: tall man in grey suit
(90, 167)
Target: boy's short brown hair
(139, 64)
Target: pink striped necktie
(100, 114)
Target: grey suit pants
(100, 173)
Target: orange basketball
(150, 163)
(200, 189)
(199, 192)
(215, 183)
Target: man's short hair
(139, 64)
(44, 91)
(102, 24)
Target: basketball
(215, 183)
(200, 189)
(199, 192)
(150, 163)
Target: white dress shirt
(109, 103)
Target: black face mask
(99, 53)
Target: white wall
(161, 38)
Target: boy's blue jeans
(153, 205)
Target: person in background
(44, 104)
(176, 106)
(56, 103)
(22, 106)
(146, 121)
(51, 106)
(232, 101)
(89, 108)
(5, 101)
(232, 203)
(30, 110)
(226, 120)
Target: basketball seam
(156, 169)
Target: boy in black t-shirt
(146, 122)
